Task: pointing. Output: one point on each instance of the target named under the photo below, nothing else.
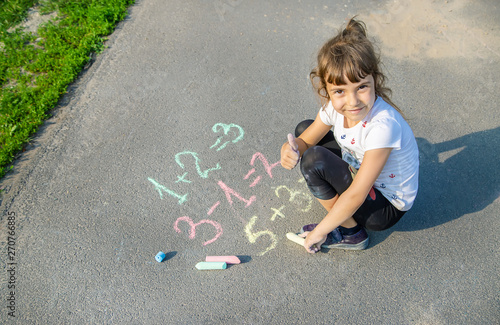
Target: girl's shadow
(457, 177)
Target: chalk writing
(160, 188)
(202, 173)
(226, 128)
(295, 195)
(252, 236)
(182, 178)
(229, 191)
(278, 213)
(264, 161)
(231, 134)
(192, 230)
(267, 167)
(212, 209)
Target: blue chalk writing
(202, 173)
(226, 128)
(160, 188)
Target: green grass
(35, 70)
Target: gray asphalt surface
(153, 150)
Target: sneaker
(335, 239)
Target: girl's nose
(352, 100)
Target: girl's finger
(304, 234)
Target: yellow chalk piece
(295, 238)
(211, 266)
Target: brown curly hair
(348, 55)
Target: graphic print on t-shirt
(348, 158)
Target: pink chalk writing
(212, 209)
(268, 168)
(250, 172)
(229, 191)
(264, 161)
(192, 230)
(256, 181)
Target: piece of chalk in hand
(227, 259)
(160, 257)
(295, 238)
(292, 143)
(211, 266)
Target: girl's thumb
(292, 143)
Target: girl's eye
(363, 87)
(338, 92)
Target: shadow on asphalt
(457, 177)
(170, 255)
(243, 259)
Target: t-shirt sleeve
(386, 133)
(326, 113)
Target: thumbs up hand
(290, 153)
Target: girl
(370, 140)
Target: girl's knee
(313, 157)
(302, 126)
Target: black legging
(327, 175)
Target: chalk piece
(160, 257)
(211, 266)
(227, 259)
(292, 142)
(295, 238)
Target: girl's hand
(313, 243)
(290, 153)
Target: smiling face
(353, 100)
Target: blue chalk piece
(211, 266)
(160, 257)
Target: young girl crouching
(365, 172)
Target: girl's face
(353, 100)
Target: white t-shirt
(383, 127)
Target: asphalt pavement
(170, 142)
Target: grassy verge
(35, 69)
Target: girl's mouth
(355, 111)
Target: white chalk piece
(228, 259)
(295, 238)
(160, 257)
(211, 266)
